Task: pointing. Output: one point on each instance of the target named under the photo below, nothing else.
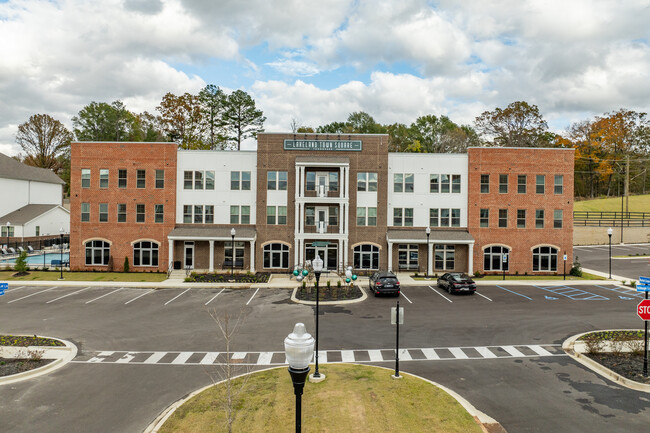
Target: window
(282, 215)
(521, 218)
(484, 218)
(311, 181)
(276, 214)
(97, 253)
(403, 217)
(310, 215)
(540, 180)
(38, 230)
(275, 180)
(366, 256)
(209, 180)
(433, 217)
(444, 183)
(103, 212)
(140, 179)
(270, 214)
(85, 212)
(372, 216)
(121, 213)
(558, 186)
(198, 180)
(397, 216)
(198, 214)
(239, 252)
(187, 214)
(521, 184)
(333, 181)
(367, 182)
(160, 179)
(85, 178)
(557, 218)
(139, 213)
(403, 182)
(485, 183)
(276, 256)
(493, 258)
(159, 213)
(434, 183)
(407, 256)
(235, 180)
(209, 214)
(503, 184)
(7, 231)
(121, 178)
(361, 216)
(503, 218)
(187, 179)
(332, 216)
(455, 183)
(444, 257)
(455, 217)
(366, 216)
(103, 178)
(544, 259)
(444, 217)
(539, 218)
(145, 253)
(408, 182)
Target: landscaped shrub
(21, 263)
(126, 264)
(576, 269)
(593, 343)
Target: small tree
(21, 263)
(126, 264)
(576, 269)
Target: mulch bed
(259, 277)
(22, 341)
(15, 366)
(628, 365)
(332, 293)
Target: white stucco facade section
(366, 199)
(49, 223)
(222, 197)
(18, 193)
(276, 198)
(45, 193)
(423, 165)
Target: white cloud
(294, 68)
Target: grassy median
(353, 398)
(153, 277)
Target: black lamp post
(232, 267)
(426, 273)
(609, 233)
(61, 250)
(317, 264)
(8, 225)
(298, 348)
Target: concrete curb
(61, 356)
(487, 423)
(363, 297)
(569, 346)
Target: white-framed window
(85, 178)
(503, 184)
(485, 184)
(403, 182)
(209, 214)
(503, 218)
(445, 183)
(188, 179)
(240, 214)
(539, 218)
(455, 183)
(145, 253)
(444, 217)
(160, 179)
(366, 256)
(440, 183)
(434, 217)
(444, 257)
(403, 217)
(521, 183)
(276, 180)
(103, 212)
(276, 215)
(239, 252)
(121, 178)
(198, 180)
(484, 218)
(187, 214)
(85, 212)
(558, 217)
(97, 253)
(366, 216)
(198, 214)
(540, 182)
(493, 258)
(209, 179)
(121, 212)
(140, 179)
(407, 256)
(545, 259)
(333, 181)
(139, 213)
(38, 230)
(276, 256)
(103, 178)
(240, 180)
(159, 213)
(558, 184)
(366, 181)
(521, 218)
(8, 231)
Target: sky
(316, 61)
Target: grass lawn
(85, 276)
(585, 276)
(638, 203)
(353, 398)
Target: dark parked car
(384, 282)
(457, 282)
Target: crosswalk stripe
(182, 357)
(540, 350)
(209, 358)
(265, 358)
(430, 353)
(512, 351)
(485, 352)
(126, 358)
(458, 353)
(375, 355)
(100, 356)
(404, 355)
(322, 357)
(155, 357)
(347, 356)
(238, 355)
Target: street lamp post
(298, 348)
(232, 267)
(609, 233)
(426, 273)
(61, 250)
(317, 265)
(8, 225)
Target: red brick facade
(121, 235)
(521, 241)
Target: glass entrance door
(328, 254)
(189, 254)
(321, 220)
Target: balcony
(322, 228)
(322, 192)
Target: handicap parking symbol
(551, 298)
(3, 287)
(623, 297)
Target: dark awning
(208, 233)
(419, 236)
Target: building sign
(344, 145)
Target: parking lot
(627, 260)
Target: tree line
(612, 150)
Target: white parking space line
(155, 357)
(15, 288)
(430, 353)
(249, 301)
(375, 355)
(458, 353)
(69, 294)
(483, 296)
(485, 352)
(209, 358)
(211, 299)
(402, 293)
(347, 356)
(139, 296)
(437, 292)
(126, 358)
(182, 357)
(540, 350)
(106, 294)
(238, 355)
(181, 294)
(265, 358)
(24, 297)
(404, 355)
(512, 351)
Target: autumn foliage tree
(45, 141)
(518, 125)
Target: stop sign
(643, 309)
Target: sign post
(3, 287)
(397, 318)
(643, 310)
(564, 273)
(503, 266)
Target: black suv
(384, 282)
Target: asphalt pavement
(629, 261)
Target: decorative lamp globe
(317, 264)
(299, 347)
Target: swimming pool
(40, 259)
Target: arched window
(366, 256)
(97, 253)
(545, 259)
(493, 258)
(276, 256)
(145, 253)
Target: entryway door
(189, 254)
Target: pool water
(41, 258)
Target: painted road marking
(69, 294)
(211, 299)
(573, 293)
(179, 295)
(430, 354)
(404, 355)
(182, 357)
(238, 355)
(485, 352)
(402, 293)
(435, 291)
(265, 358)
(458, 353)
(623, 290)
(512, 351)
(100, 357)
(322, 356)
(375, 355)
(249, 301)
(515, 293)
(139, 296)
(106, 294)
(126, 358)
(346, 356)
(155, 357)
(483, 296)
(15, 288)
(540, 350)
(24, 297)
(209, 358)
